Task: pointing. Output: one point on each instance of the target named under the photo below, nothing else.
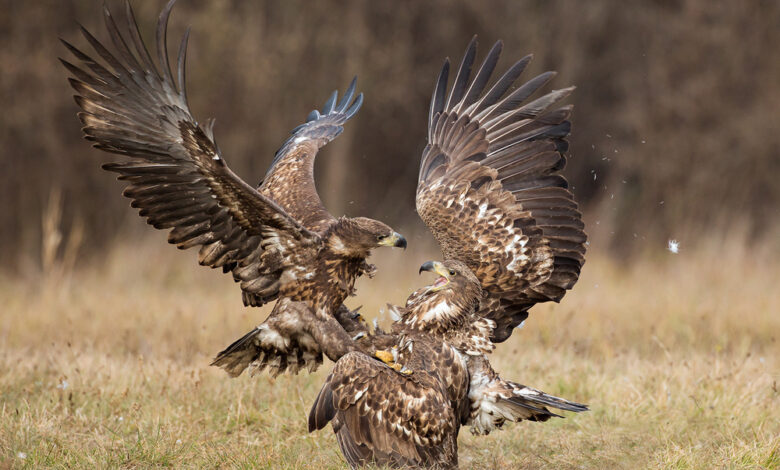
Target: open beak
(438, 268)
(396, 240)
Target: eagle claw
(389, 358)
(369, 270)
(385, 356)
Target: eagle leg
(385, 356)
(390, 358)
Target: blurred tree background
(676, 123)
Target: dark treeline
(676, 122)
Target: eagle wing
(176, 175)
(493, 400)
(293, 164)
(382, 416)
(490, 187)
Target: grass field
(107, 367)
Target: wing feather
(491, 191)
(175, 174)
(494, 401)
(381, 415)
(293, 164)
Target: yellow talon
(400, 368)
(384, 356)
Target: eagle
(409, 415)
(490, 188)
(491, 192)
(278, 241)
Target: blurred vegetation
(675, 126)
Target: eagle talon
(390, 358)
(400, 368)
(369, 270)
(385, 356)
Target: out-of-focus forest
(676, 125)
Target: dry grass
(107, 367)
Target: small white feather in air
(673, 246)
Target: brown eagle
(491, 192)
(410, 415)
(278, 241)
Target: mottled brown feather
(293, 165)
(385, 417)
(176, 175)
(276, 242)
(490, 187)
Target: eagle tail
(266, 347)
(276, 344)
(239, 355)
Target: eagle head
(453, 275)
(451, 298)
(356, 237)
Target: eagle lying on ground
(410, 415)
(278, 241)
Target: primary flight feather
(278, 242)
(490, 188)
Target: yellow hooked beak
(438, 268)
(395, 239)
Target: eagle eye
(381, 237)
(452, 272)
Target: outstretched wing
(490, 187)
(176, 175)
(382, 416)
(293, 165)
(493, 400)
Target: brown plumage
(389, 418)
(411, 415)
(278, 242)
(490, 191)
(490, 188)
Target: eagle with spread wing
(409, 415)
(491, 192)
(278, 241)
